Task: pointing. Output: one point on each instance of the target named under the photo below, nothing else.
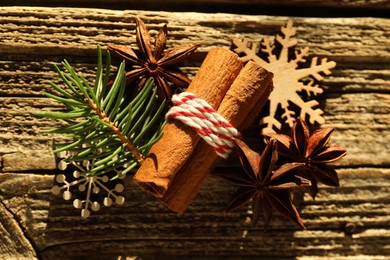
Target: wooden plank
(351, 221)
(359, 45)
(350, 3)
(25, 147)
(283, 7)
(13, 242)
(352, 216)
(362, 77)
(77, 31)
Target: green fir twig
(108, 129)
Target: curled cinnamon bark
(241, 104)
(217, 73)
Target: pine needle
(110, 131)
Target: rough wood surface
(349, 3)
(351, 222)
(366, 8)
(13, 241)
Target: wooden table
(350, 222)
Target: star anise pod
(151, 61)
(269, 188)
(312, 150)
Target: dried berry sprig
(86, 187)
(151, 61)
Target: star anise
(269, 188)
(312, 150)
(151, 61)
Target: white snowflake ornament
(289, 80)
(86, 184)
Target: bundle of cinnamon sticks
(179, 164)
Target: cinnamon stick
(242, 103)
(215, 76)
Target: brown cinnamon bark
(242, 103)
(215, 76)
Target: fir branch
(129, 145)
(109, 130)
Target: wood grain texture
(350, 3)
(354, 218)
(327, 8)
(351, 222)
(13, 242)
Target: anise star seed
(266, 186)
(153, 62)
(312, 150)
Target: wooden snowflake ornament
(289, 80)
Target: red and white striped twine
(211, 126)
